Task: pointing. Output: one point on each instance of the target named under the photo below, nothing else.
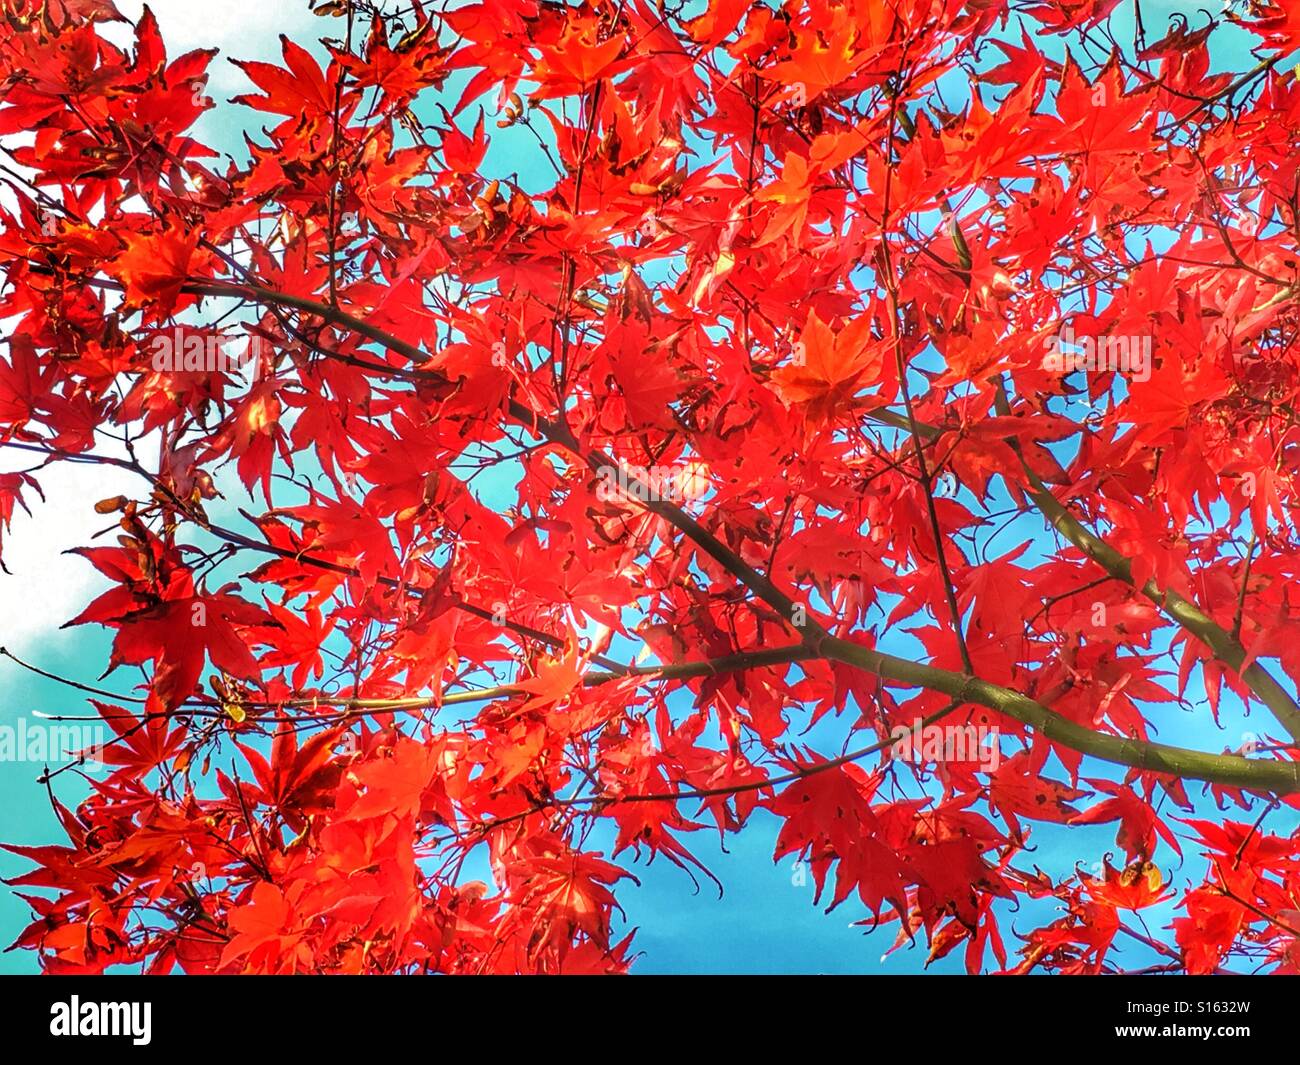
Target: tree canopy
(571, 428)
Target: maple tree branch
(761, 585)
(894, 420)
(553, 431)
(1224, 645)
(1274, 776)
(1165, 949)
(239, 539)
(923, 477)
(901, 366)
(709, 667)
(231, 536)
(1245, 582)
(1278, 777)
(605, 800)
(557, 433)
(6, 653)
(1259, 914)
(1263, 67)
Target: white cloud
(188, 24)
(241, 29)
(44, 587)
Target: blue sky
(766, 920)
